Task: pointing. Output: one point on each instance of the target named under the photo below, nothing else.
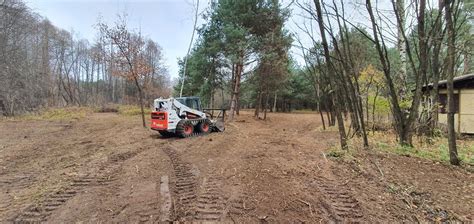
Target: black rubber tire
(166, 134)
(200, 127)
(181, 128)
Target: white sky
(167, 22)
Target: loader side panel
(159, 120)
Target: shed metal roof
(463, 81)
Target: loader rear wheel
(204, 126)
(184, 128)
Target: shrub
(108, 109)
(335, 153)
(64, 113)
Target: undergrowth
(64, 113)
(74, 113)
(336, 152)
(436, 153)
(436, 150)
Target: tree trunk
(236, 89)
(367, 107)
(140, 94)
(453, 154)
(437, 40)
(265, 105)
(373, 110)
(340, 121)
(401, 45)
(322, 118)
(420, 74)
(330, 116)
(237, 102)
(257, 104)
(275, 103)
(398, 114)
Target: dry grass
(132, 110)
(64, 113)
(435, 149)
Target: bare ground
(106, 168)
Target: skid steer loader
(184, 117)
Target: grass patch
(436, 151)
(64, 113)
(132, 110)
(335, 153)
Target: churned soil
(107, 168)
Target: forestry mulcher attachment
(184, 117)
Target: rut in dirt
(338, 203)
(40, 212)
(195, 202)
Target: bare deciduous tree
(128, 59)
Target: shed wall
(466, 109)
(464, 120)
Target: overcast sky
(167, 22)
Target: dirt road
(106, 168)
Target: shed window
(443, 103)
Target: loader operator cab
(192, 102)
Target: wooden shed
(463, 103)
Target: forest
(45, 66)
(366, 74)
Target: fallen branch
(324, 155)
(308, 204)
(378, 167)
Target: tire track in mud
(210, 203)
(239, 205)
(194, 202)
(338, 202)
(184, 186)
(149, 215)
(39, 213)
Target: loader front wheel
(204, 126)
(184, 128)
